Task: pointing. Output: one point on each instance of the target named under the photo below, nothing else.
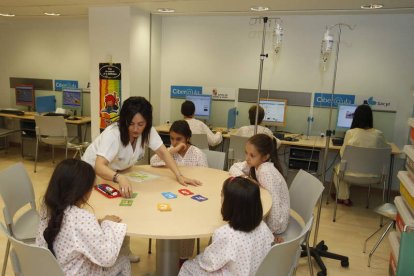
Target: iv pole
(262, 57)
(320, 249)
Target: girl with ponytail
(82, 244)
(262, 164)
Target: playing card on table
(169, 195)
(199, 198)
(185, 192)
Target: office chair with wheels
(16, 190)
(31, 260)
(362, 166)
(282, 259)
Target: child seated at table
(262, 164)
(239, 247)
(82, 244)
(181, 149)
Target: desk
(188, 218)
(30, 117)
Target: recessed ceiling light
(259, 8)
(166, 10)
(372, 6)
(7, 14)
(52, 14)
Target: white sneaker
(133, 258)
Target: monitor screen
(202, 105)
(72, 98)
(345, 116)
(25, 95)
(275, 111)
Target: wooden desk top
(188, 218)
(30, 116)
(165, 129)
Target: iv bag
(327, 45)
(277, 38)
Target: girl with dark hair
(239, 247)
(181, 149)
(262, 164)
(122, 144)
(82, 244)
(361, 134)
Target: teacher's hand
(124, 186)
(187, 181)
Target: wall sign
(217, 93)
(378, 103)
(179, 91)
(324, 99)
(61, 84)
(109, 93)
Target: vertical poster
(109, 93)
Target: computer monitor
(275, 111)
(345, 116)
(25, 95)
(202, 105)
(45, 104)
(72, 99)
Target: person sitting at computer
(248, 131)
(197, 126)
(361, 134)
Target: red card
(185, 192)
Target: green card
(134, 195)
(126, 202)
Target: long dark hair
(181, 127)
(363, 117)
(265, 144)
(130, 108)
(70, 182)
(241, 206)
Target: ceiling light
(7, 14)
(372, 6)
(259, 9)
(52, 14)
(166, 10)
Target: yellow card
(163, 207)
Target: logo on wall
(109, 93)
(179, 91)
(325, 99)
(378, 103)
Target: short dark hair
(181, 127)
(252, 115)
(241, 206)
(71, 180)
(130, 108)
(363, 117)
(188, 108)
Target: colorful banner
(180, 91)
(324, 99)
(110, 93)
(222, 94)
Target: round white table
(187, 219)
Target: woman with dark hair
(181, 149)
(82, 244)
(361, 134)
(123, 143)
(239, 247)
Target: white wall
(375, 59)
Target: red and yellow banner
(110, 93)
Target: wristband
(115, 178)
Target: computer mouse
(288, 139)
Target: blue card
(199, 198)
(169, 195)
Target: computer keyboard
(56, 114)
(12, 111)
(337, 141)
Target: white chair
(199, 140)
(31, 260)
(360, 160)
(282, 259)
(236, 151)
(215, 159)
(304, 193)
(52, 130)
(16, 190)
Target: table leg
(167, 257)
(80, 140)
(391, 171)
